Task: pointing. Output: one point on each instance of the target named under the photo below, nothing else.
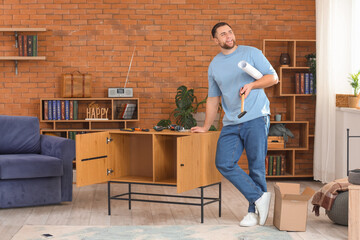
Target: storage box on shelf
(66, 117)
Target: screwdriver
(127, 129)
(140, 129)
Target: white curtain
(337, 55)
(324, 145)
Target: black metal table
(203, 200)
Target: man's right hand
(198, 129)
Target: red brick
(173, 41)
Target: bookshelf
(64, 125)
(21, 58)
(298, 110)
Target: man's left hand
(246, 90)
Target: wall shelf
(21, 58)
(297, 109)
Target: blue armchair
(34, 169)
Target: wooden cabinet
(64, 125)
(184, 159)
(297, 110)
(21, 58)
(354, 212)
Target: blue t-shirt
(226, 79)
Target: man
(249, 132)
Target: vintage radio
(120, 92)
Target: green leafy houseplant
(185, 100)
(311, 61)
(354, 82)
(184, 107)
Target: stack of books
(27, 45)
(304, 83)
(275, 165)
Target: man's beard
(225, 46)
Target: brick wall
(172, 39)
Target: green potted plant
(186, 107)
(311, 62)
(354, 82)
(184, 100)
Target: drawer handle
(181, 165)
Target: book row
(27, 45)
(60, 110)
(304, 83)
(275, 165)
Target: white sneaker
(251, 219)
(263, 205)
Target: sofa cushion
(19, 134)
(16, 166)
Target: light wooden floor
(89, 207)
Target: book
(278, 169)
(29, 45)
(297, 83)
(307, 83)
(20, 45)
(25, 45)
(50, 111)
(271, 160)
(266, 165)
(46, 110)
(274, 166)
(282, 171)
(119, 110)
(302, 83)
(35, 45)
(62, 110)
(71, 109)
(67, 107)
(54, 115)
(76, 109)
(129, 110)
(58, 110)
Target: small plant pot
(354, 102)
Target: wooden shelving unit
(21, 58)
(300, 108)
(63, 127)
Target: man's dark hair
(220, 24)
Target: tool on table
(242, 106)
(159, 128)
(174, 127)
(127, 129)
(141, 129)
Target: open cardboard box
(291, 207)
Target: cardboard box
(291, 207)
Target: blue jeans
(251, 136)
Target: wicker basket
(342, 100)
